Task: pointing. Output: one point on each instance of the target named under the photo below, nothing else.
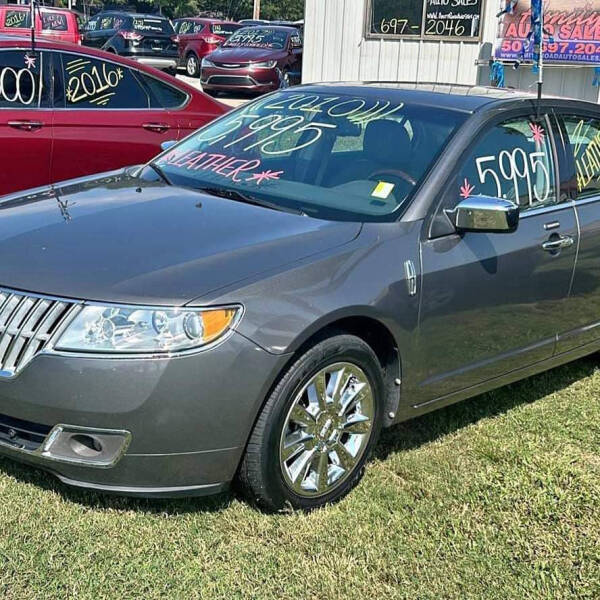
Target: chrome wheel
(192, 66)
(327, 430)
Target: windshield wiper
(246, 199)
(158, 170)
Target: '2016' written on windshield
(266, 132)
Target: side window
(92, 83)
(163, 95)
(584, 137)
(185, 27)
(54, 22)
(17, 19)
(22, 83)
(106, 22)
(514, 161)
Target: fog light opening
(85, 445)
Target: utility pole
(256, 13)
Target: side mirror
(166, 145)
(487, 214)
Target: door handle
(25, 125)
(555, 244)
(157, 127)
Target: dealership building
(452, 41)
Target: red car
(254, 59)
(198, 38)
(50, 23)
(67, 111)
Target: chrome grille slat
(20, 337)
(27, 325)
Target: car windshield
(257, 37)
(152, 25)
(332, 156)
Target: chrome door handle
(157, 127)
(25, 125)
(558, 243)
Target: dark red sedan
(199, 37)
(254, 59)
(68, 111)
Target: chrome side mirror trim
(485, 214)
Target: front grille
(27, 323)
(230, 80)
(22, 435)
(231, 65)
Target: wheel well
(381, 340)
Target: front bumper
(188, 418)
(260, 81)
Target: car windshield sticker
(54, 21)
(382, 190)
(16, 19)
(512, 170)
(230, 167)
(587, 157)
(87, 82)
(257, 38)
(21, 86)
(148, 25)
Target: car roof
(205, 20)
(27, 7)
(464, 98)
(269, 26)
(131, 14)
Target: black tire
(192, 65)
(260, 473)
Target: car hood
(116, 238)
(244, 55)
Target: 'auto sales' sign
(574, 27)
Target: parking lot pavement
(231, 99)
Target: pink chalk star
(466, 189)
(30, 61)
(538, 133)
(265, 176)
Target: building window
(424, 19)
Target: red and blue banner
(572, 32)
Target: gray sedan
(266, 295)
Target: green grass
(497, 497)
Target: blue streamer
(509, 8)
(497, 74)
(535, 34)
(596, 82)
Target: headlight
(136, 330)
(207, 63)
(263, 65)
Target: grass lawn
(497, 497)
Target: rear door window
(17, 19)
(93, 83)
(584, 139)
(23, 81)
(514, 161)
(163, 95)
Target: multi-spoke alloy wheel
(314, 434)
(327, 430)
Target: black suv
(149, 39)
